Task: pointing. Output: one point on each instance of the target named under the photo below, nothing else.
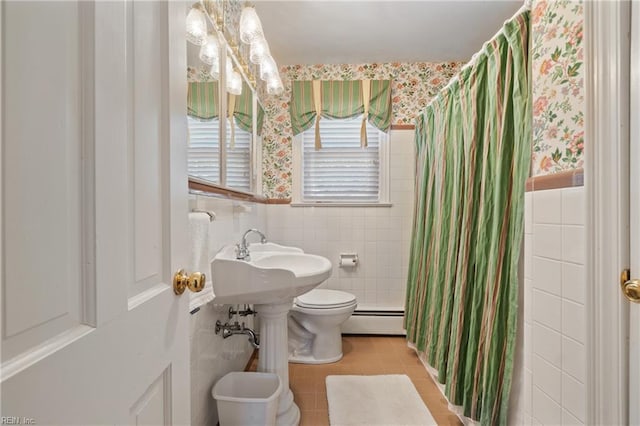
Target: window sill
(339, 204)
(199, 186)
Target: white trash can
(247, 398)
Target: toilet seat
(315, 320)
(325, 299)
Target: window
(203, 159)
(204, 154)
(239, 159)
(342, 172)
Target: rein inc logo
(14, 420)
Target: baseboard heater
(375, 322)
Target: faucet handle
(242, 252)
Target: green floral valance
(203, 103)
(340, 99)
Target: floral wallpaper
(413, 85)
(199, 74)
(558, 86)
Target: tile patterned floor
(363, 355)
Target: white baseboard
(374, 324)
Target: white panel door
(634, 216)
(93, 208)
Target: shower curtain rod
(526, 6)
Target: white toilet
(314, 325)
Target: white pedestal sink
(270, 280)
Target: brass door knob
(182, 280)
(631, 290)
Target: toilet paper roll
(348, 260)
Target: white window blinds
(341, 171)
(203, 159)
(239, 160)
(204, 154)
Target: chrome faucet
(242, 250)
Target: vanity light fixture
(268, 68)
(234, 85)
(275, 86)
(259, 51)
(250, 26)
(249, 32)
(210, 51)
(234, 80)
(214, 72)
(196, 27)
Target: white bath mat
(375, 400)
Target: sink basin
(269, 246)
(273, 274)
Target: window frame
(249, 173)
(217, 149)
(255, 156)
(297, 199)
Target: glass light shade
(196, 27)
(209, 52)
(268, 68)
(228, 70)
(250, 26)
(215, 69)
(275, 86)
(234, 83)
(259, 50)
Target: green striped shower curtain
(473, 153)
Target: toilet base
(308, 359)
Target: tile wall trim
(278, 201)
(403, 127)
(566, 179)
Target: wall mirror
(223, 113)
(203, 119)
(243, 125)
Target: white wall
(211, 355)
(554, 307)
(380, 235)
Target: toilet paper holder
(348, 260)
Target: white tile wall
(547, 309)
(547, 275)
(547, 343)
(554, 311)
(211, 355)
(547, 377)
(546, 410)
(379, 235)
(548, 240)
(574, 396)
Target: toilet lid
(321, 298)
